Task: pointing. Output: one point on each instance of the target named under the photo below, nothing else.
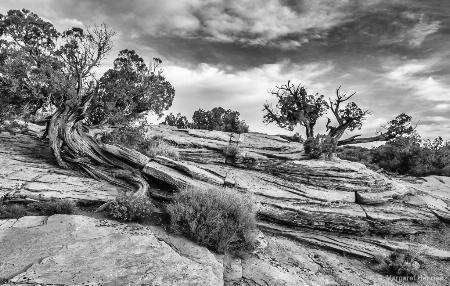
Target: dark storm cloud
(246, 34)
(393, 53)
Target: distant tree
(215, 119)
(170, 120)
(200, 120)
(180, 121)
(232, 123)
(295, 107)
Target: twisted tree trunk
(75, 149)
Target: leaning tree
(40, 66)
(296, 108)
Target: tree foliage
(180, 121)
(41, 67)
(295, 107)
(30, 69)
(215, 119)
(130, 88)
(350, 117)
(404, 155)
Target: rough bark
(75, 149)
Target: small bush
(134, 137)
(131, 208)
(400, 263)
(219, 218)
(230, 151)
(321, 145)
(54, 207)
(12, 211)
(13, 126)
(157, 146)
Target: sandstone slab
(76, 250)
(349, 218)
(193, 171)
(396, 218)
(173, 177)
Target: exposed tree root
(75, 149)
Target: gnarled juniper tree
(295, 107)
(40, 66)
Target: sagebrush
(231, 151)
(320, 146)
(220, 218)
(12, 211)
(399, 263)
(131, 208)
(52, 207)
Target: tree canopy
(42, 67)
(130, 88)
(295, 107)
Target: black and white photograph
(225, 142)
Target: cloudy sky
(393, 53)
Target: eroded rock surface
(78, 250)
(334, 195)
(28, 168)
(311, 212)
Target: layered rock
(316, 205)
(28, 169)
(327, 195)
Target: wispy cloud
(209, 86)
(394, 54)
(409, 77)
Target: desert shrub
(354, 154)
(399, 263)
(52, 207)
(321, 145)
(156, 145)
(13, 126)
(12, 211)
(414, 157)
(219, 218)
(134, 137)
(230, 151)
(131, 208)
(404, 155)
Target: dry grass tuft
(54, 207)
